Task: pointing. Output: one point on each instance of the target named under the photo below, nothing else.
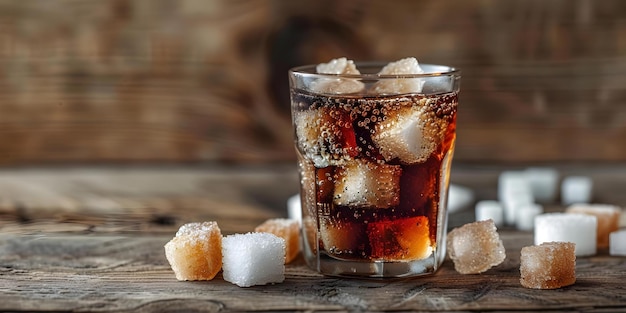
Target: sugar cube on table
(490, 209)
(549, 265)
(294, 208)
(608, 219)
(459, 197)
(475, 247)
(617, 241)
(543, 183)
(195, 253)
(287, 229)
(363, 183)
(525, 219)
(579, 229)
(513, 191)
(576, 189)
(253, 259)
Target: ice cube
(325, 136)
(543, 183)
(404, 66)
(400, 240)
(550, 265)
(475, 247)
(340, 237)
(339, 66)
(253, 259)
(363, 183)
(459, 197)
(576, 189)
(289, 230)
(568, 227)
(525, 219)
(490, 210)
(294, 208)
(409, 133)
(195, 253)
(608, 219)
(618, 243)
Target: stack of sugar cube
(580, 229)
(199, 251)
(607, 217)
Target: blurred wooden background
(121, 81)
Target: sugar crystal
(475, 247)
(253, 259)
(195, 253)
(550, 265)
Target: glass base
(331, 266)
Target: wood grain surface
(90, 239)
(206, 81)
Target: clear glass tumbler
(374, 156)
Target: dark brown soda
(399, 232)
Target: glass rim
(445, 70)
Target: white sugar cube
(399, 86)
(409, 133)
(618, 243)
(490, 209)
(513, 200)
(608, 219)
(459, 197)
(339, 66)
(363, 183)
(512, 182)
(567, 227)
(576, 189)
(525, 219)
(543, 183)
(253, 259)
(294, 208)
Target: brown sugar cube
(550, 265)
(608, 219)
(475, 247)
(289, 230)
(195, 253)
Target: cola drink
(374, 175)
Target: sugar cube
(550, 265)
(513, 191)
(608, 219)
(543, 183)
(409, 133)
(490, 209)
(459, 197)
(579, 229)
(617, 241)
(404, 66)
(576, 189)
(195, 253)
(475, 247)
(510, 182)
(253, 259)
(363, 183)
(525, 219)
(287, 229)
(294, 208)
(339, 66)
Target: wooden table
(91, 239)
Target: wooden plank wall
(205, 81)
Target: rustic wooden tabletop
(91, 239)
